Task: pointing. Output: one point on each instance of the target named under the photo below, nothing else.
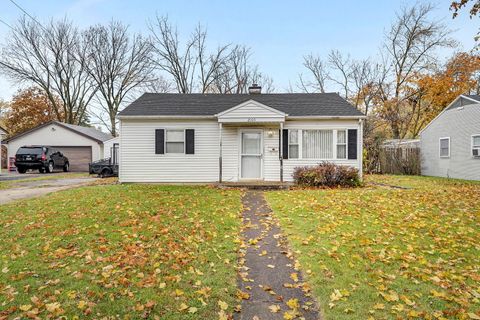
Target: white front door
(251, 154)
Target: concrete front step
(257, 185)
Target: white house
(450, 144)
(81, 145)
(217, 137)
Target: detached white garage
(81, 145)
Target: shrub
(326, 174)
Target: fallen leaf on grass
(25, 307)
(81, 305)
(223, 305)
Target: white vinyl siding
(139, 163)
(317, 144)
(460, 125)
(251, 112)
(444, 147)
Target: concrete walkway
(32, 189)
(267, 275)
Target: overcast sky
(279, 32)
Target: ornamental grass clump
(326, 174)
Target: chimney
(254, 89)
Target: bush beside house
(326, 175)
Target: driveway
(10, 176)
(35, 188)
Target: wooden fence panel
(401, 160)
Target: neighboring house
(3, 132)
(81, 145)
(110, 148)
(230, 137)
(450, 144)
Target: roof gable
(87, 132)
(458, 103)
(251, 111)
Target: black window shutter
(159, 141)
(285, 144)
(352, 143)
(189, 141)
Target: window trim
(294, 144)
(341, 144)
(474, 146)
(166, 141)
(440, 147)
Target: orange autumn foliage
(29, 108)
(435, 91)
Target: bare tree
(208, 64)
(118, 63)
(237, 73)
(52, 58)
(266, 82)
(342, 69)
(365, 79)
(319, 72)
(192, 68)
(160, 85)
(410, 44)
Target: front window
(175, 141)
(293, 146)
(444, 147)
(317, 144)
(341, 144)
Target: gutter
(180, 117)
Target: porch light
(270, 133)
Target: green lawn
(126, 251)
(382, 253)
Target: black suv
(45, 159)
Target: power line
(25, 12)
(6, 24)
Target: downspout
(220, 153)
(360, 164)
(281, 151)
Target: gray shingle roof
(88, 131)
(293, 104)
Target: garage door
(78, 157)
